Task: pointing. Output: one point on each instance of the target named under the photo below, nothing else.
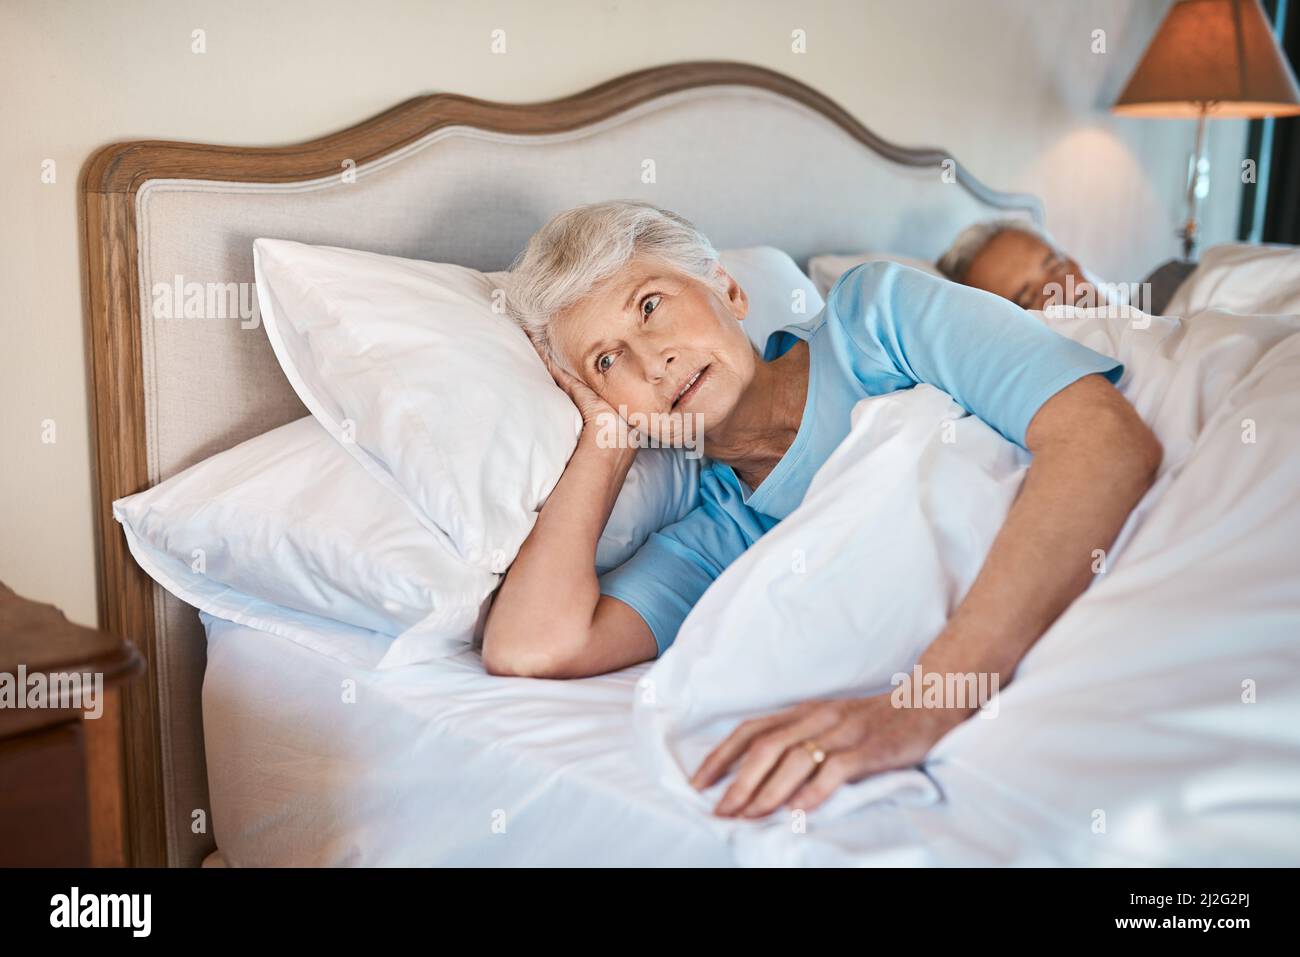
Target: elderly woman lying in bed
(633, 314)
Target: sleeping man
(631, 311)
(1011, 259)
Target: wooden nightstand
(60, 766)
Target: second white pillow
(439, 394)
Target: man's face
(653, 340)
(1021, 267)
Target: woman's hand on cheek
(590, 405)
(776, 756)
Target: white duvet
(1158, 720)
(1242, 278)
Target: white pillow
(439, 394)
(1241, 278)
(289, 521)
(779, 292)
(827, 268)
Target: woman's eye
(604, 362)
(655, 299)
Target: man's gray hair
(583, 247)
(971, 240)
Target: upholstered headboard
(749, 155)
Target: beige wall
(1011, 87)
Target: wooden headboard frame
(110, 180)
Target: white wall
(1011, 87)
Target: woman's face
(656, 342)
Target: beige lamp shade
(1215, 53)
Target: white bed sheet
(446, 765)
(443, 764)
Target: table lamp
(1210, 58)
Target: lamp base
(1198, 185)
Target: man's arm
(1093, 459)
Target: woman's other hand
(778, 755)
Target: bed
(237, 752)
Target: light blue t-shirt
(884, 327)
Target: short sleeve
(906, 326)
(666, 576)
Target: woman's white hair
(583, 247)
(971, 240)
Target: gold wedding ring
(814, 751)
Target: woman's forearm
(546, 603)
(1094, 461)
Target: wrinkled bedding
(1157, 721)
